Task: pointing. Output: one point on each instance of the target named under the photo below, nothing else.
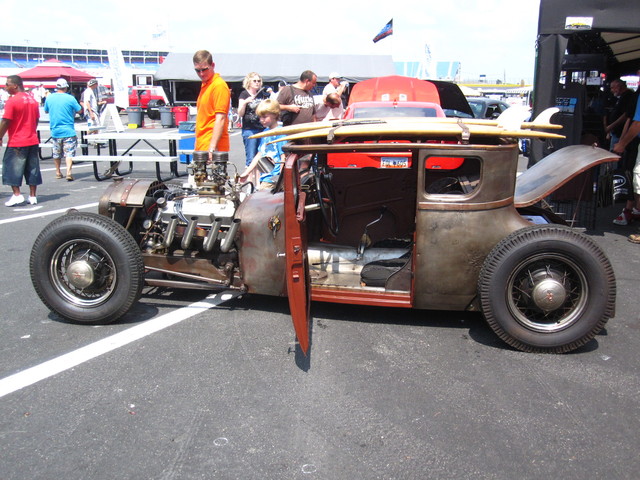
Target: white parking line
(75, 166)
(45, 214)
(72, 359)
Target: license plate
(394, 162)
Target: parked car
(395, 96)
(402, 93)
(446, 227)
(486, 107)
(105, 93)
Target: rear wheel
(547, 289)
(87, 268)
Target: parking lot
(190, 385)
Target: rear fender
(553, 171)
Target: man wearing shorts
(90, 104)
(62, 109)
(20, 120)
(632, 209)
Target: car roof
(485, 100)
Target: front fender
(129, 192)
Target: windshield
(378, 112)
(476, 107)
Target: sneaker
(635, 214)
(14, 200)
(624, 218)
(33, 200)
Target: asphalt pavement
(187, 387)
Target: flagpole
(393, 46)
(393, 50)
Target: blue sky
(495, 38)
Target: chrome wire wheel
(83, 273)
(547, 288)
(547, 293)
(87, 268)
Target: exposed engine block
(200, 215)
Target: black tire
(87, 268)
(547, 289)
(153, 109)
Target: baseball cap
(91, 82)
(62, 83)
(334, 75)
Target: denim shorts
(21, 162)
(64, 147)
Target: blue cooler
(187, 143)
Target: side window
(449, 175)
(491, 110)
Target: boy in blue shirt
(269, 111)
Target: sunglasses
(200, 70)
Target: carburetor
(209, 177)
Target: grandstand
(14, 57)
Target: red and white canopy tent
(51, 70)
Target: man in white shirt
(90, 104)
(335, 85)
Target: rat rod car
(437, 220)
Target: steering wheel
(450, 185)
(326, 199)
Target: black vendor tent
(582, 35)
(581, 46)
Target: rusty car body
(428, 224)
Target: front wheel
(87, 268)
(547, 289)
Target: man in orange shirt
(213, 106)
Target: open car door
(297, 269)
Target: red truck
(149, 97)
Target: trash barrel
(166, 117)
(135, 115)
(180, 114)
(187, 143)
